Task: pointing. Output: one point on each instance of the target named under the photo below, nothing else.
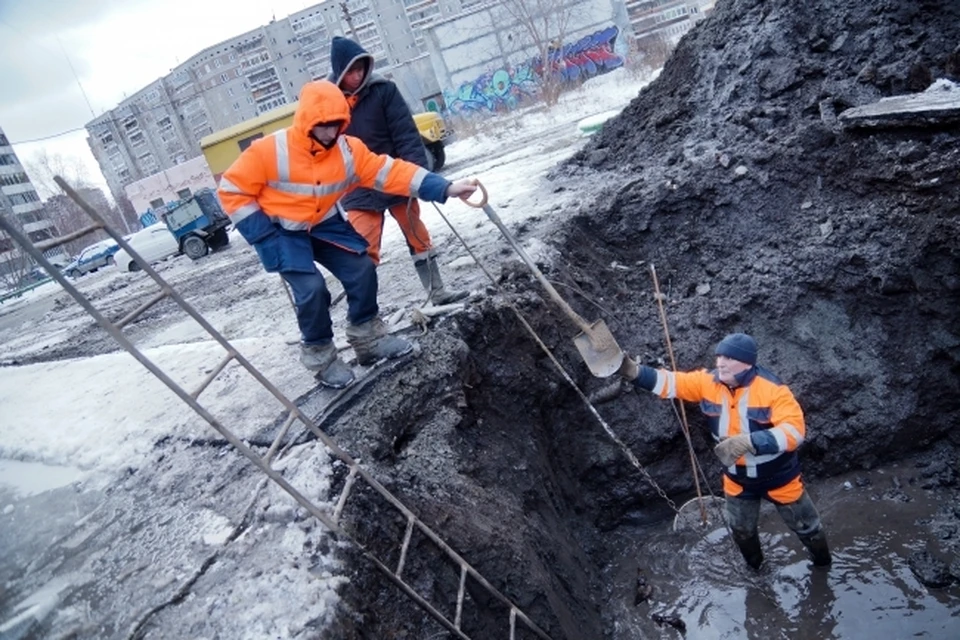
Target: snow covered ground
(82, 483)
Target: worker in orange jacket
(282, 193)
(758, 425)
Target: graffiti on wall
(505, 88)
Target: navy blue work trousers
(355, 271)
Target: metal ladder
(331, 520)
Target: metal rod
(276, 441)
(460, 594)
(406, 545)
(139, 310)
(347, 486)
(60, 240)
(213, 374)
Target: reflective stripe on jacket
(296, 181)
(762, 406)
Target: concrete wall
(485, 61)
(193, 174)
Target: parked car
(153, 244)
(92, 258)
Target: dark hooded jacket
(379, 116)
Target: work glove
(730, 449)
(628, 368)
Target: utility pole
(349, 19)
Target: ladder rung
(213, 374)
(513, 623)
(463, 583)
(406, 545)
(276, 441)
(59, 240)
(146, 305)
(346, 490)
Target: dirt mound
(837, 248)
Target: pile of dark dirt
(836, 248)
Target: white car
(153, 244)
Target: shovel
(596, 344)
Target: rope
(684, 425)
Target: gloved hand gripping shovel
(596, 344)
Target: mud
(837, 249)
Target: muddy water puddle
(700, 582)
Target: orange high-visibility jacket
(762, 406)
(296, 182)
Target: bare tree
(42, 166)
(545, 24)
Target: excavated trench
(836, 246)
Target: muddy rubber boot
(330, 370)
(371, 342)
(750, 548)
(817, 544)
(429, 272)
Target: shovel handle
(483, 202)
(495, 219)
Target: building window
(184, 193)
(217, 63)
(156, 204)
(3, 141)
(7, 159)
(223, 77)
(230, 92)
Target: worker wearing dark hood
(380, 117)
(282, 193)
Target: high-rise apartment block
(162, 124)
(20, 204)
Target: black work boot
(750, 548)
(322, 359)
(371, 342)
(429, 272)
(817, 544)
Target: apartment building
(20, 203)
(665, 20)
(162, 124)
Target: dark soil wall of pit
(839, 250)
(467, 435)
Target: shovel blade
(599, 349)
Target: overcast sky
(115, 47)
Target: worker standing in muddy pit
(282, 193)
(380, 117)
(758, 425)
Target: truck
(198, 223)
(221, 148)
